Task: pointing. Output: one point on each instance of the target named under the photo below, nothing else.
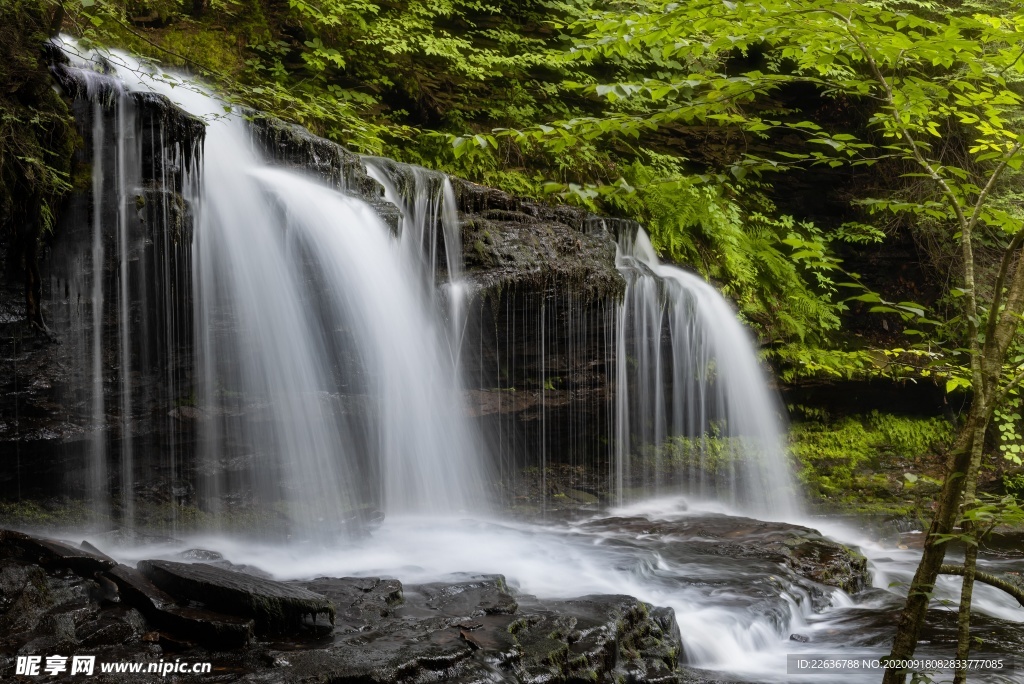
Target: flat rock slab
(205, 627)
(53, 553)
(275, 606)
(804, 551)
(483, 595)
(362, 602)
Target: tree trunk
(963, 642)
(911, 620)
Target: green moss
(46, 514)
(37, 139)
(859, 462)
(213, 48)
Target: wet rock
(112, 628)
(468, 629)
(186, 414)
(94, 550)
(243, 568)
(803, 551)
(596, 638)
(292, 145)
(126, 536)
(41, 609)
(53, 553)
(202, 626)
(693, 675)
(200, 555)
(485, 595)
(471, 629)
(275, 606)
(361, 602)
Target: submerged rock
(275, 606)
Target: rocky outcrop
(293, 146)
(468, 629)
(807, 557)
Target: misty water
(305, 298)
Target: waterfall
(116, 289)
(323, 381)
(694, 412)
(430, 238)
(327, 350)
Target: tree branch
(1014, 590)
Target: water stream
(736, 617)
(691, 394)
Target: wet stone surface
(468, 628)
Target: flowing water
(736, 616)
(329, 356)
(691, 393)
(324, 367)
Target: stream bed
(746, 594)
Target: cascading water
(119, 307)
(427, 204)
(694, 412)
(323, 386)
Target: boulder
(53, 553)
(596, 638)
(275, 606)
(201, 626)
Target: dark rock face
(47, 429)
(539, 345)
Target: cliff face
(101, 375)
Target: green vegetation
(870, 463)
(37, 138)
(877, 462)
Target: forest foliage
(752, 139)
(693, 118)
